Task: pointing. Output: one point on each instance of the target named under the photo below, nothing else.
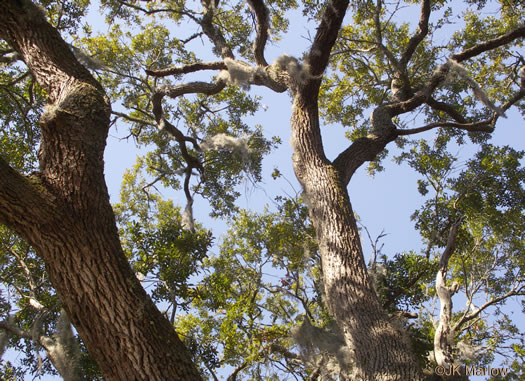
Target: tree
(370, 66)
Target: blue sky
(384, 202)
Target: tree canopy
(141, 289)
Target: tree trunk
(378, 350)
(65, 213)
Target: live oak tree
(361, 70)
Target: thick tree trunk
(379, 351)
(64, 212)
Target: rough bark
(65, 213)
(378, 350)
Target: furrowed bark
(65, 213)
(379, 351)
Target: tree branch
(420, 35)
(46, 49)
(153, 11)
(164, 125)
(366, 148)
(518, 289)
(517, 97)
(190, 68)
(484, 126)
(489, 44)
(213, 33)
(262, 15)
(379, 38)
(132, 119)
(448, 109)
(29, 279)
(442, 350)
(23, 200)
(326, 35)
(174, 91)
(439, 75)
(10, 326)
(236, 371)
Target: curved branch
(262, 14)
(517, 97)
(483, 126)
(439, 75)
(489, 44)
(360, 151)
(174, 92)
(213, 33)
(366, 148)
(446, 108)
(164, 125)
(517, 290)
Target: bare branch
(236, 371)
(379, 38)
(215, 378)
(326, 36)
(10, 326)
(212, 31)
(190, 68)
(157, 10)
(187, 217)
(484, 126)
(489, 44)
(420, 34)
(132, 119)
(448, 109)
(517, 97)
(440, 74)
(518, 289)
(29, 278)
(263, 24)
(174, 91)
(164, 125)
